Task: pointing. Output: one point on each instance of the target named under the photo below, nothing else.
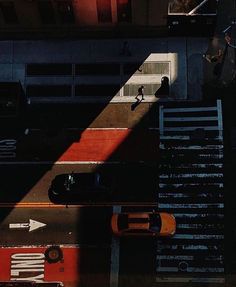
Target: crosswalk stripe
(188, 257)
(195, 226)
(176, 185)
(172, 279)
(197, 205)
(198, 236)
(191, 147)
(191, 247)
(190, 175)
(184, 195)
(201, 215)
(192, 269)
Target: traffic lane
(137, 261)
(101, 144)
(31, 183)
(77, 267)
(59, 225)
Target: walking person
(140, 93)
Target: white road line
(219, 280)
(198, 236)
(175, 137)
(199, 226)
(191, 147)
(201, 215)
(192, 247)
(192, 269)
(115, 256)
(197, 205)
(191, 175)
(189, 257)
(189, 185)
(207, 156)
(175, 257)
(194, 165)
(186, 195)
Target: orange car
(143, 223)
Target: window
(9, 12)
(104, 11)
(46, 12)
(97, 90)
(97, 69)
(48, 91)
(49, 70)
(124, 10)
(65, 10)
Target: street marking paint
(192, 269)
(24, 263)
(198, 236)
(191, 175)
(115, 256)
(188, 257)
(201, 215)
(190, 279)
(200, 205)
(32, 225)
(178, 185)
(7, 148)
(188, 247)
(188, 196)
(198, 226)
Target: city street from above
(117, 143)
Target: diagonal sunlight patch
(95, 145)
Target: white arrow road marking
(32, 225)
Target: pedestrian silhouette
(140, 93)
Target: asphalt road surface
(31, 183)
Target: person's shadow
(164, 89)
(134, 105)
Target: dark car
(79, 185)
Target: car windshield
(155, 222)
(69, 181)
(122, 221)
(81, 181)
